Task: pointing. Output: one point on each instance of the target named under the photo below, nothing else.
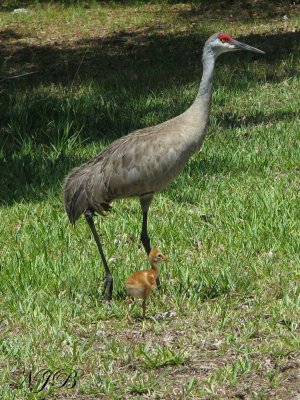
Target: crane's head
(156, 257)
(222, 43)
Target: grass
(226, 323)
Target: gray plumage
(137, 165)
(148, 160)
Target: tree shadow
(123, 66)
(32, 176)
(237, 10)
(138, 52)
(197, 6)
(230, 120)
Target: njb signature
(46, 378)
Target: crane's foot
(108, 286)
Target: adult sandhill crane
(147, 160)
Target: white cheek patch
(230, 46)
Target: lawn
(226, 322)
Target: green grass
(226, 323)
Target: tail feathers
(79, 197)
(77, 205)
(75, 199)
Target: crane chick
(141, 283)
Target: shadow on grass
(139, 53)
(200, 6)
(231, 121)
(237, 10)
(33, 177)
(118, 69)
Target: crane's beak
(243, 46)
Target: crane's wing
(143, 162)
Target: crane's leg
(108, 280)
(128, 301)
(144, 235)
(145, 297)
(145, 204)
(145, 201)
(144, 308)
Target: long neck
(198, 114)
(208, 61)
(155, 267)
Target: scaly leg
(144, 308)
(144, 235)
(128, 301)
(145, 204)
(108, 280)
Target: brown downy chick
(141, 283)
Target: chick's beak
(165, 258)
(242, 46)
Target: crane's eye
(223, 40)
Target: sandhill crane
(147, 160)
(141, 283)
